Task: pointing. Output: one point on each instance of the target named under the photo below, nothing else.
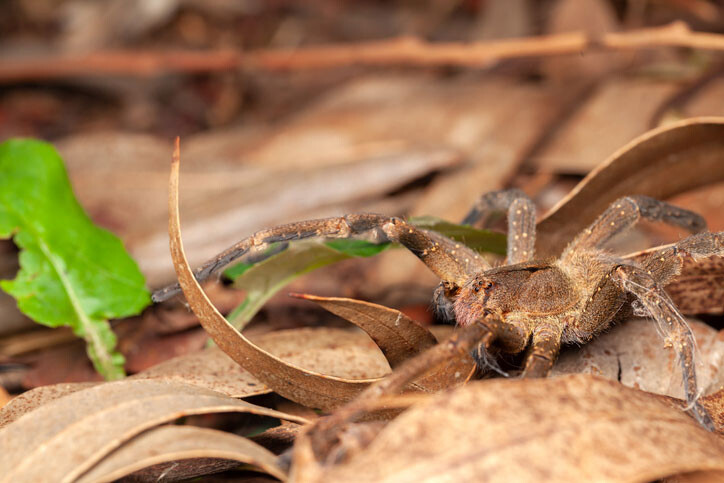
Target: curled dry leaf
(398, 336)
(293, 382)
(635, 354)
(174, 443)
(661, 163)
(568, 428)
(43, 444)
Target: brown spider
(529, 303)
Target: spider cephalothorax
(533, 304)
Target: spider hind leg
(673, 327)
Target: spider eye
(480, 284)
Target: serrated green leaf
(72, 273)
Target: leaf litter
(103, 417)
(264, 360)
(499, 169)
(167, 444)
(510, 429)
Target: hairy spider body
(533, 304)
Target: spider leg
(545, 344)
(521, 221)
(483, 333)
(625, 213)
(672, 325)
(664, 264)
(444, 257)
(510, 336)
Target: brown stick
(399, 51)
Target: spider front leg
(521, 221)
(672, 324)
(511, 336)
(449, 260)
(625, 213)
(545, 344)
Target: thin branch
(399, 51)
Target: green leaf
(357, 248)
(479, 240)
(263, 279)
(72, 273)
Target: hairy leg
(511, 337)
(521, 220)
(672, 325)
(545, 344)
(446, 258)
(625, 213)
(665, 263)
(521, 216)
(325, 433)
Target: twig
(399, 51)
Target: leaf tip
(175, 159)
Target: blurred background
(289, 110)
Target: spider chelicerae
(528, 303)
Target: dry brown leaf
(210, 368)
(709, 101)
(174, 443)
(278, 438)
(568, 428)
(293, 382)
(616, 113)
(635, 354)
(342, 353)
(661, 163)
(34, 398)
(336, 352)
(398, 336)
(45, 444)
(697, 477)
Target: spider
(528, 303)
